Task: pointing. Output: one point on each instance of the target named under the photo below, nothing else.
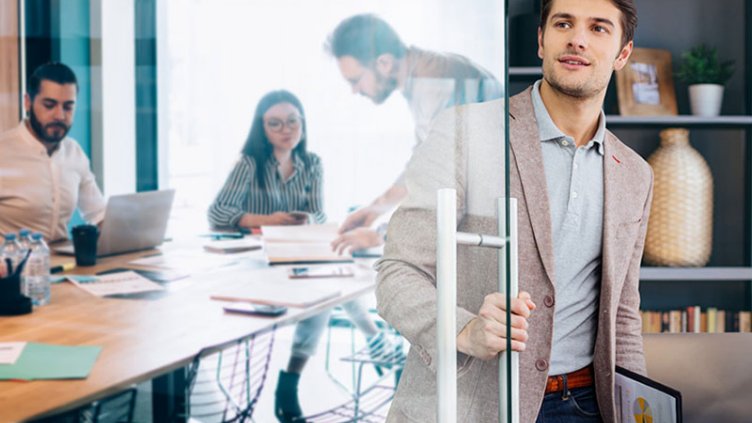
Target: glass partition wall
(373, 124)
(367, 109)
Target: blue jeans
(570, 406)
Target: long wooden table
(140, 339)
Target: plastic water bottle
(12, 250)
(37, 272)
(24, 240)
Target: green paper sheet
(46, 361)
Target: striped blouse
(242, 193)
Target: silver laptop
(712, 371)
(132, 222)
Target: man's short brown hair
(628, 17)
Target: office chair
(224, 383)
(118, 408)
(369, 404)
(115, 409)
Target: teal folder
(45, 361)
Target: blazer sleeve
(229, 206)
(406, 283)
(629, 352)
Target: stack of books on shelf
(694, 319)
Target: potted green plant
(706, 77)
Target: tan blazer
(464, 151)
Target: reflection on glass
(374, 60)
(276, 181)
(411, 62)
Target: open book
(304, 244)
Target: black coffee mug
(85, 244)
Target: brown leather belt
(577, 379)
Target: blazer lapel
(617, 245)
(524, 141)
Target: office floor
(318, 391)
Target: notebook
(233, 246)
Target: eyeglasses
(277, 125)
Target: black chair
(116, 408)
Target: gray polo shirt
(574, 177)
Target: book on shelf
(694, 320)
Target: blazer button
(548, 301)
(541, 364)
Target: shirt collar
(32, 141)
(547, 129)
(297, 162)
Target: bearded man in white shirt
(44, 174)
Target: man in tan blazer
(583, 204)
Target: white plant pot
(706, 99)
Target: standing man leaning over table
(583, 205)
(44, 174)
(375, 61)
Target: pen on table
(62, 268)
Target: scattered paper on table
(118, 283)
(10, 351)
(188, 261)
(273, 287)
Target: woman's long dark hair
(257, 145)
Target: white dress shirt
(39, 191)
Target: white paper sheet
(188, 261)
(273, 287)
(118, 283)
(10, 351)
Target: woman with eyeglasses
(276, 181)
